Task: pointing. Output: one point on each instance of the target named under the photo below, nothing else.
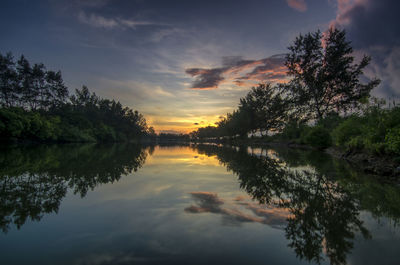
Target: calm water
(126, 204)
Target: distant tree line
(324, 102)
(36, 105)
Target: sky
(183, 64)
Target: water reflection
(315, 201)
(34, 180)
(238, 210)
(321, 195)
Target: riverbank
(382, 166)
(385, 167)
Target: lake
(193, 204)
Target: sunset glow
(184, 67)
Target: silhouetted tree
(325, 79)
(265, 108)
(8, 81)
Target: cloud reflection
(238, 210)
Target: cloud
(89, 3)
(271, 69)
(369, 22)
(206, 78)
(134, 91)
(208, 202)
(238, 70)
(385, 65)
(161, 34)
(99, 21)
(372, 27)
(299, 5)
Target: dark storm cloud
(373, 28)
(206, 78)
(267, 69)
(370, 22)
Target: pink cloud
(299, 5)
(240, 72)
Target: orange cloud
(235, 69)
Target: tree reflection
(34, 180)
(325, 212)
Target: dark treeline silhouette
(36, 105)
(33, 185)
(324, 204)
(323, 103)
(171, 137)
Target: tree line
(323, 80)
(324, 102)
(36, 105)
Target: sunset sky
(185, 63)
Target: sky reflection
(181, 206)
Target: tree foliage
(36, 106)
(324, 76)
(265, 107)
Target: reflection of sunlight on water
(180, 155)
(263, 152)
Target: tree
(57, 91)
(8, 80)
(325, 79)
(39, 86)
(25, 80)
(265, 107)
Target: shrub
(356, 143)
(331, 121)
(318, 137)
(13, 123)
(392, 140)
(348, 129)
(294, 131)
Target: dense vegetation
(323, 104)
(36, 106)
(374, 128)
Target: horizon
(184, 65)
